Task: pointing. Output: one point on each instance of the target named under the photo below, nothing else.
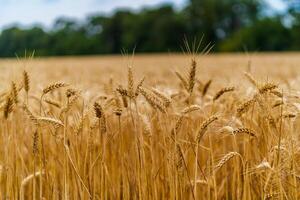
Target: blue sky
(29, 12)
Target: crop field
(223, 126)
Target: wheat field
(218, 126)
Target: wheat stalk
(130, 83)
(225, 159)
(222, 91)
(267, 87)
(26, 81)
(50, 120)
(206, 87)
(30, 115)
(98, 110)
(245, 131)
(182, 80)
(118, 107)
(192, 76)
(71, 92)
(162, 96)
(153, 100)
(244, 107)
(14, 92)
(190, 109)
(52, 102)
(140, 84)
(8, 107)
(53, 86)
(251, 79)
(35, 145)
(204, 127)
(26, 180)
(147, 126)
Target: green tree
(294, 18)
(268, 34)
(15, 41)
(219, 19)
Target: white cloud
(46, 11)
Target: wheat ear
(26, 81)
(225, 159)
(245, 131)
(162, 96)
(54, 86)
(153, 100)
(222, 91)
(192, 76)
(206, 87)
(182, 80)
(204, 126)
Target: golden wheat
(108, 136)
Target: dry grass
(167, 127)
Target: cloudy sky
(28, 12)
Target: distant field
(224, 126)
(86, 70)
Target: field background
(91, 71)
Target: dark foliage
(231, 25)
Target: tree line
(230, 25)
